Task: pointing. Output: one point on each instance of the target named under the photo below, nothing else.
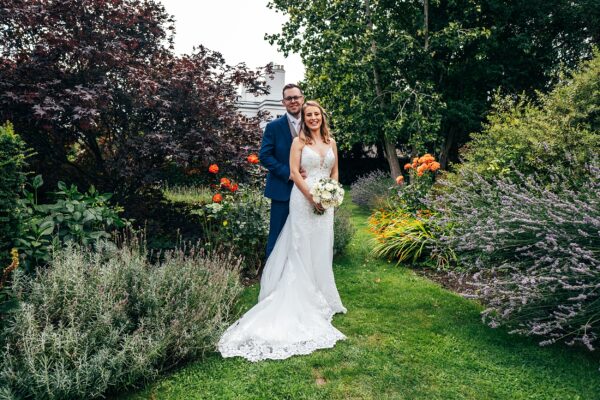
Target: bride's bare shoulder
(298, 142)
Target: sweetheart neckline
(319, 154)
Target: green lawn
(407, 339)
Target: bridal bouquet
(328, 192)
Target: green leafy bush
(343, 230)
(12, 179)
(561, 128)
(107, 320)
(239, 223)
(82, 218)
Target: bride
(298, 296)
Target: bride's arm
(334, 171)
(295, 155)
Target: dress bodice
(315, 165)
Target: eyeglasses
(292, 98)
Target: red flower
(233, 188)
(217, 198)
(252, 159)
(213, 169)
(225, 183)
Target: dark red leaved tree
(95, 89)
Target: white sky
(235, 28)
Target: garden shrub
(370, 189)
(107, 320)
(404, 228)
(12, 179)
(422, 172)
(561, 128)
(343, 230)
(534, 248)
(82, 218)
(239, 223)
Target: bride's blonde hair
(305, 134)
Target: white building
(250, 105)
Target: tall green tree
(418, 74)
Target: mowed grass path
(407, 339)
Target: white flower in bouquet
(328, 192)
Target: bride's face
(313, 118)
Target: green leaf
(37, 182)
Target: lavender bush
(534, 248)
(107, 320)
(370, 189)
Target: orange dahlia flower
(252, 159)
(233, 188)
(225, 183)
(213, 169)
(217, 198)
(434, 166)
(426, 159)
(407, 166)
(400, 179)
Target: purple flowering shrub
(370, 189)
(534, 249)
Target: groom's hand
(303, 173)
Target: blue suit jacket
(275, 156)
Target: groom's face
(293, 100)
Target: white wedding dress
(298, 296)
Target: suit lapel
(287, 129)
(293, 132)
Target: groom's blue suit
(275, 156)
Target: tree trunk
(448, 143)
(388, 145)
(392, 158)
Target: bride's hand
(318, 206)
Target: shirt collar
(294, 120)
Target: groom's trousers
(279, 214)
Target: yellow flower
(225, 223)
(14, 254)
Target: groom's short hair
(290, 86)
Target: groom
(275, 156)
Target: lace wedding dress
(298, 296)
